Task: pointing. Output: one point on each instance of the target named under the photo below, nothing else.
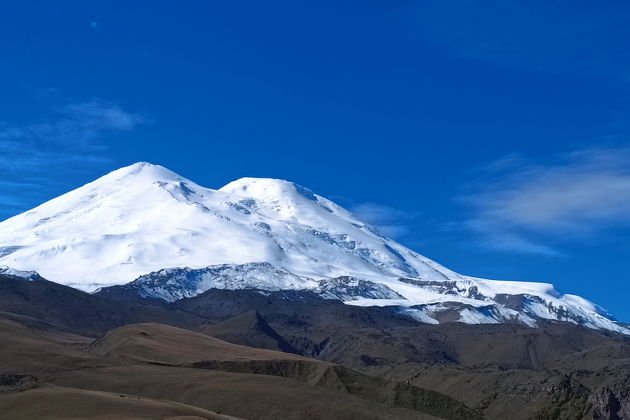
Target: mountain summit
(144, 218)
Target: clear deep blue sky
(491, 136)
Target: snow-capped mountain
(179, 239)
(144, 218)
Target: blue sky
(491, 136)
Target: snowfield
(143, 218)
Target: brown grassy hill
(170, 346)
(152, 342)
(159, 371)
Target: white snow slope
(143, 218)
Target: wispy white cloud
(534, 207)
(77, 124)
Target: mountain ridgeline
(145, 230)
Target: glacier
(175, 238)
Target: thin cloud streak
(518, 205)
(75, 125)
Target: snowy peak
(144, 178)
(134, 177)
(140, 170)
(286, 199)
(268, 189)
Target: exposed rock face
(612, 401)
